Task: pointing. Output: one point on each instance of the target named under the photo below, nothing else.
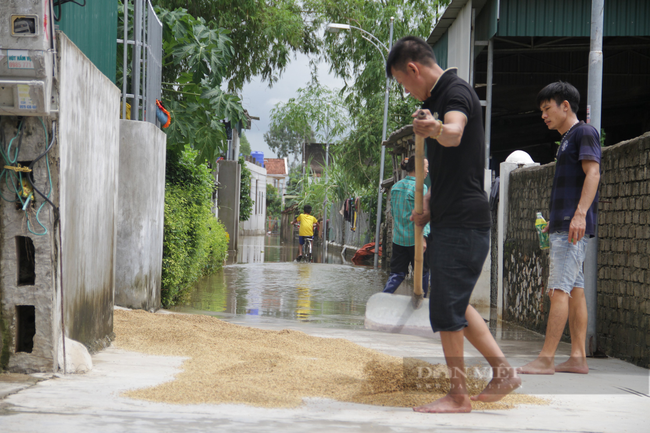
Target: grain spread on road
(228, 363)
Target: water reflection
(303, 304)
(278, 251)
(251, 249)
(330, 295)
(270, 285)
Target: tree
(284, 142)
(265, 34)
(280, 28)
(195, 63)
(316, 113)
(273, 202)
(244, 145)
(362, 67)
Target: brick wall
(623, 251)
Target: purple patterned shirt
(581, 142)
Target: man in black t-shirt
(459, 214)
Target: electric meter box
(26, 57)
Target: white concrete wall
(141, 203)
(89, 148)
(459, 41)
(256, 224)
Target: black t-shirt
(458, 198)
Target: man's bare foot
(538, 366)
(573, 365)
(447, 404)
(498, 388)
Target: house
(277, 174)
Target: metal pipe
(135, 79)
(326, 203)
(472, 41)
(124, 56)
(383, 153)
(488, 103)
(594, 105)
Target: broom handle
(419, 193)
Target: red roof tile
(274, 166)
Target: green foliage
(195, 243)
(273, 202)
(282, 140)
(265, 34)
(245, 200)
(334, 185)
(315, 112)
(196, 59)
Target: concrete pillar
(228, 201)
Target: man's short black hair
(559, 92)
(307, 209)
(409, 49)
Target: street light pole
(326, 204)
(376, 43)
(383, 156)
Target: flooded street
(266, 283)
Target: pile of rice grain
(235, 364)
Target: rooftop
(275, 166)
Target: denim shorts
(566, 261)
(456, 257)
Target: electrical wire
(29, 177)
(59, 3)
(9, 176)
(13, 176)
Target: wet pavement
(325, 300)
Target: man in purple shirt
(573, 219)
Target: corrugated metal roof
(93, 29)
(544, 18)
(627, 18)
(554, 18)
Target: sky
(259, 99)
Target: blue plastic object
(259, 157)
(162, 117)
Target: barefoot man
(459, 214)
(574, 203)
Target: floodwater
(266, 283)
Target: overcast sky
(259, 99)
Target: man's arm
(447, 134)
(421, 219)
(589, 189)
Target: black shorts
(456, 261)
(403, 256)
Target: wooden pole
(419, 193)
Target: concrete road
(613, 397)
